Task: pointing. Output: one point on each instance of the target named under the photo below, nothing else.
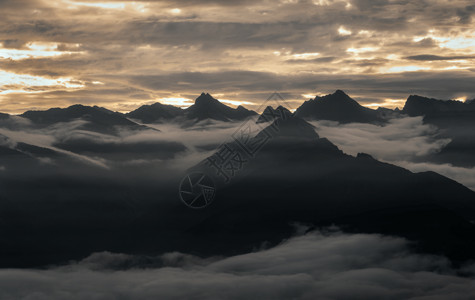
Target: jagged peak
(205, 98)
(338, 94)
(280, 107)
(293, 127)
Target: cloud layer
(405, 142)
(312, 266)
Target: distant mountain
(207, 107)
(337, 107)
(422, 106)
(387, 113)
(298, 177)
(156, 113)
(96, 118)
(270, 114)
(456, 120)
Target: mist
(324, 264)
(404, 141)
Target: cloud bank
(403, 141)
(312, 266)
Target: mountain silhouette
(432, 108)
(53, 212)
(387, 113)
(300, 177)
(96, 118)
(456, 120)
(270, 114)
(156, 113)
(207, 107)
(337, 107)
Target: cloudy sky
(122, 54)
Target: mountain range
(335, 107)
(54, 209)
(454, 119)
(205, 107)
(97, 119)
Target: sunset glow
(145, 50)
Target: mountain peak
(340, 93)
(294, 127)
(156, 113)
(207, 107)
(205, 98)
(337, 107)
(270, 114)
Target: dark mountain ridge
(155, 113)
(337, 107)
(205, 107)
(96, 118)
(423, 106)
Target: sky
(123, 54)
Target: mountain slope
(299, 177)
(337, 107)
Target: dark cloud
(198, 41)
(428, 57)
(306, 61)
(445, 85)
